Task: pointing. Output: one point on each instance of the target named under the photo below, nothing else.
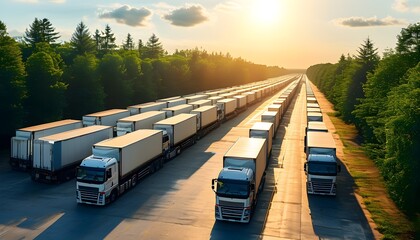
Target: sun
(266, 11)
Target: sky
(284, 33)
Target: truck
(117, 164)
(21, 145)
(316, 126)
(314, 116)
(200, 103)
(226, 108)
(321, 167)
(271, 117)
(57, 156)
(265, 131)
(241, 180)
(106, 118)
(139, 121)
(146, 107)
(181, 131)
(173, 111)
(241, 102)
(206, 120)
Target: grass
(390, 221)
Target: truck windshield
(232, 188)
(322, 168)
(91, 175)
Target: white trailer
(146, 107)
(275, 108)
(105, 118)
(227, 107)
(176, 102)
(181, 130)
(193, 98)
(214, 99)
(265, 131)
(118, 164)
(176, 110)
(21, 145)
(241, 180)
(139, 121)
(207, 119)
(316, 127)
(314, 116)
(200, 103)
(271, 117)
(241, 102)
(57, 156)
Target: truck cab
(321, 171)
(235, 194)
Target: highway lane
(177, 201)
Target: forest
(43, 79)
(381, 97)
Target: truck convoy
(117, 164)
(23, 143)
(321, 165)
(241, 180)
(265, 131)
(207, 119)
(57, 156)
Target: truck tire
(113, 196)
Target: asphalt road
(177, 201)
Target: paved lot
(177, 201)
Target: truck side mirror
(305, 166)
(252, 187)
(108, 174)
(212, 183)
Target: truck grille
(88, 194)
(231, 210)
(322, 186)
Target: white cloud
(187, 16)
(129, 16)
(406, 6)
(368, 22)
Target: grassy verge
(390, 222)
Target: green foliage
(41, 30)
(81, 40)
(12, 85)
(85, 93)
(45, 102)
(153, 48)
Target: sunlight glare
(266, 11)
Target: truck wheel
(113, 196)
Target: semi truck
(21, 145)
(265, 131)
(181, 130)
(321, 167)
(206, 120)
(241, 102)
(241, 180)
(200, 103)
(118, 164)
(57, 156)
(316, 126)
(173, 111)
(106, 118)
(139, 121)
(314, 116)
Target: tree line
(381, 97)
(42, 80)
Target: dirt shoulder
(384, 217)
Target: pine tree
(153, 48)
(41, 30)
(97, 38)
(81, 40)
(368, 55)
(128, 44)
(108, 39)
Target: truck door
(20, 148)
(42, 157)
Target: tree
(81, 40)
(108, 40)
(409, 40)
(12, 86)
(153, 48)
(85, 93)
(128, 44)
(140, 47)
(97, 38)
(45, 100)
(41, 30)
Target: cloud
(187, 16)
(405, 6)
(368, 22)
(229, 6)
(129, 16)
